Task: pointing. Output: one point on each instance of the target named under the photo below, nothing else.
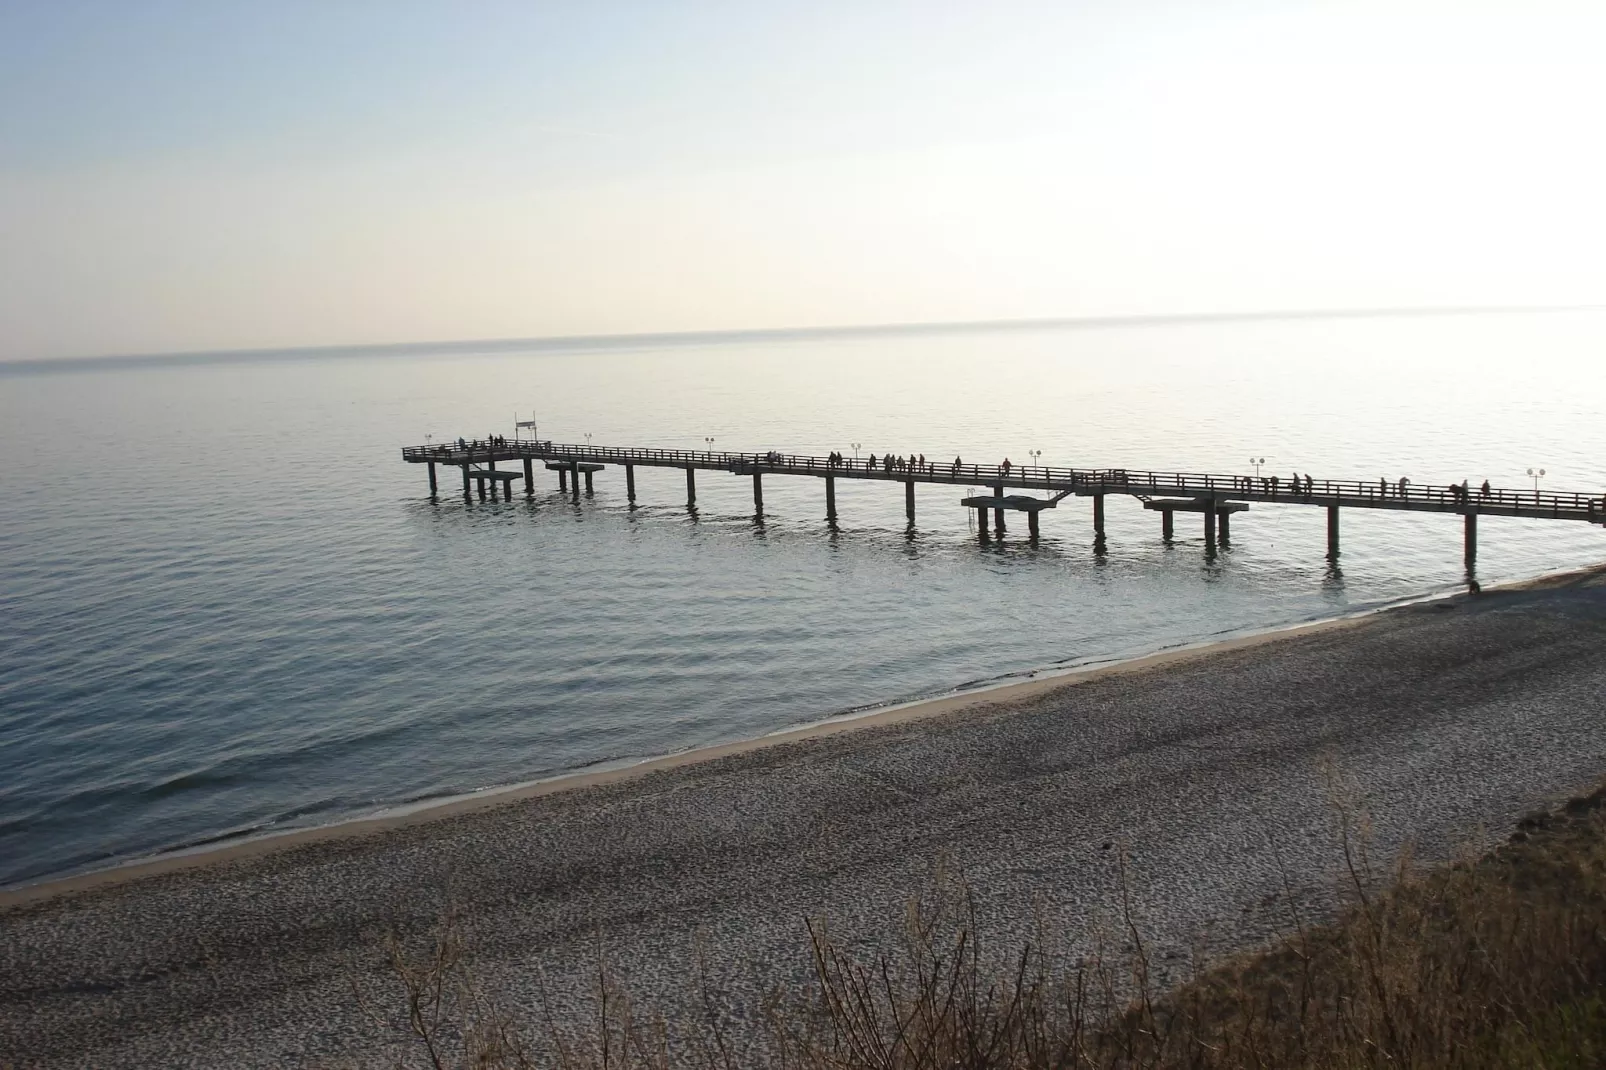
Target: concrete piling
(758, 493)
(1471, 539)
(630, 482)
(529, 477)
(830, 498)
(432, 487)
(691, 488)
(1332, 531)
(909, 499)
(1166, 524)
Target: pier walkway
(1213, 496)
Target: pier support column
(589, 488)
(630, 482)
(830, 498)
(998, 514)
(529, 477)
(758, 493)
(574, 480)
(563, 480)
(1332, 532)
(1222, 517)
(1031, 524)
(1098, 517)
(1210, 527)
(465, 482)
(909, 499)
(432, 487)
(691, 488)
(1472, 540)
(481, 483)
(981, 522)
(1166, 524)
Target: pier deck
(1213, 495)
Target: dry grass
(1496, 962)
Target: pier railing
(1382, 494)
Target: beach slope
(1216, 772)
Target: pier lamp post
(1257, 462)
(708, 441)
(588, 441)
(1036, 456)
(1537, 474)
(855, 446)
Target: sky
(202, 176)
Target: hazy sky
(217, 175)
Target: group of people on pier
(915, 462)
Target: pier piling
(1332, 531)
(563, 480)
(1166, 524)
(465, 482)
(830, 498)
(1221, 521)
(589, 488)
(574, 479)
(981, 522)
(1031, 524)
(1471, 548)
(1098, 517)
(998, 514)
(758, 493)
(1210, 527)
(432, 487)
(529, 477)
(691, 488)
(909, 500)
(630, 483)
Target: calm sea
(226, 606)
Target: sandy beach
(1213, 768)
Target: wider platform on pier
(1023, 503)
(1194, 505)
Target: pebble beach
(1216, 774)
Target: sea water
(227, 606)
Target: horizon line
(668, 339)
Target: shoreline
(425, 811)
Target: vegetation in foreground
(1491, 963)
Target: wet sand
(1448, 719)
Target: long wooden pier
(1214, 497)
